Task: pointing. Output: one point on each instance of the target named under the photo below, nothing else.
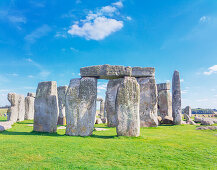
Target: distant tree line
(202, 111)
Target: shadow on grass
(20, 123)
(3, 120)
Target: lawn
(164, 147)
(2, 112)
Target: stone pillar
(13, 114)
(148, 102)
(62, 102)
(176, 99)
(164, 100)
(81, 106)
(111, 93)
(187, 111)
(102, 108)
(29, 106)
(46, 107)
(127, 107)
(21, 108)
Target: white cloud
(211, 70)
(60, 35)
(17, 19)
(30, 76)
(118, 4)
(97, 26)
(13, 74)
(37, 33)
(204, 19)
(73, 49)
(128, 18)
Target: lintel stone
(143, 72)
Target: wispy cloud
(211, 70)
(204, 19)
(98, 25)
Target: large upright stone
(148, 102)
(62, 103)
(101, 106)
(21, 108)
(143, 72)
(13, 114)
(46, 107)
(110, 102)
(187, 111)
(106, 71)
(127, 106)
(176, 99)
(81, 106)
(29, 106)
(164, 100)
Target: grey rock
(21, 108)
(61, 90)
(207, 122)
(81, 106)
(143, 72)
(207, 128)
(31, 94)
(110, 102)
(101, 107)
(176, 99)
(6, 125)
(148, 102)
(187, 111)
(164, 100)
(46, 107)
(106, 71)
(13, 111)
(167, 120)
(198, 119)
(29, 107)
(98, 121)
(127, 107)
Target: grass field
(164, 147)
(2, 111)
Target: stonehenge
(133, 100)
(164, 100)
(176, 99)
(187, 111)
(46, 107)
(61, 90)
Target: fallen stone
(207, 122)
(110, 102)
(46, 107)
(143, 72)
(148, 102)
(62, 102)
(167, 120)
(207, 128)
(198, 119)
(106, 71)
(127, 107)
(183, 122)
(176, 99)
(98, 121)
(81, 106)
(6, 125)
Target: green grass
(2, 112)
(164, 147)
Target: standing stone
(46, 107)
(29, 106)
(148, 102)
(102, 108)
(81, 106)
(164, 100)
(21, 108)
(176, 99)
(187, 111)
(127, 106)
(62, 102)
(13, 113)
(110, 109)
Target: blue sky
(42, 40)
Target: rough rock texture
(127, 107)
(187, 111)
(46, 107)
(29, 108)
(207, 128)
(110, 109)
(148, 102)
(6, 125)
(31, 94)
(81, 106)
(167, 120)
(207, 122)
(143, 72)
(17, 109)
(198, 119)
(176, 99)
(106, 71)
(98, 121)
(189, 120)
(164, 100)
(101, 107)
(62, 103)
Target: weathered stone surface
(198, 119)
(164, 100)
(46, 107)
(148, 102)
(207, 122)
(31, 94)
(110, 102)
(98, 121)
(101, 107)
(6, 125)
(81, 106)
(21, 108)
(176, 99)
(189, 120)
(187, 111)
(29, 108)
(62, 102)
(167, 120)
(143, 72)
(127, 107)
(106, 71)
(207, 128)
